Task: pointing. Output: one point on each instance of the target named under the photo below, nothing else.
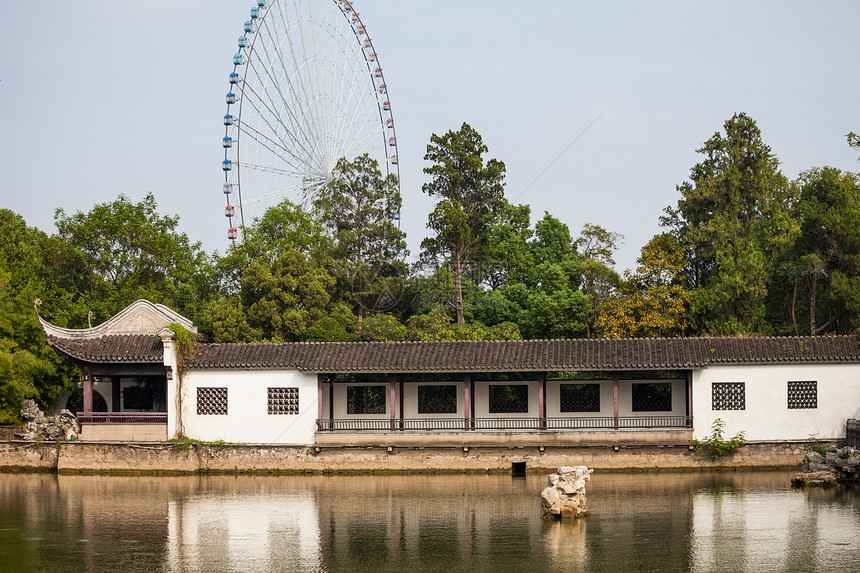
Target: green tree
(734, 221)
(536, 278)
(224, 320)
(470, 193)
(360, 206)
(121, 251)
(29, 368)
(283, 298)
(382, 327)
(823, 265)
(651, 301)
(510, 257)
(853, 140)
(596, 247)
(285, 227)
(432, 326)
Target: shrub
(716, 445)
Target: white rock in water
(564, 495)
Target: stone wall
(90, 457)
(8, 432)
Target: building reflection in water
(654, 522)
(741, 526)
(243, 524)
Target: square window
(580, 398)
(509, 399)
(211, 401)
(365, 399)
(437, 399)
(728, 396)
(802, 395)
(137, 397)
(283, 401)
(652, 397)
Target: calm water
(641, 522)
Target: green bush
(716, 445)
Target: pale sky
(101, 98)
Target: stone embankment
(220, 458)
(837, 466)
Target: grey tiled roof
(474, 356)
(528, 355)
(124, 348)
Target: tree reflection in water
(643, 522)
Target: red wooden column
(615, 397)
(331, 398)
(400, 384)
(467, 401)
(88, 393)
(472, 393)
(542, 400)
(320, 382)
(689, 398)
(116, 405)
(392, 384)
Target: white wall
(767, 417)
(247, 420)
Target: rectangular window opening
(437, 399)
(580, 398)
(652, 397)
(509, 399)
(365, 400)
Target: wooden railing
(122, 418)
(607, 423)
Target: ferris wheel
(306, 89)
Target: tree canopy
(470, 193)
(744, 251)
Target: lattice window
(211, 401)
(728, 396)
(509, 399)
(283, 401)
(802, 395)
(437, 399)
(652, 397)
(365, 399)
(580, 397)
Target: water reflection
(640, 522)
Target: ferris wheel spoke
(269, 169)
(346, 125)
(274, 194)
(291, 124)
(276, 148)
(278, 63)
(259, 105)
(302, 62)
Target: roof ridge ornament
(140, 317)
